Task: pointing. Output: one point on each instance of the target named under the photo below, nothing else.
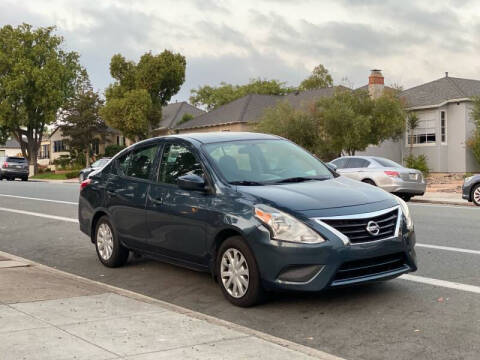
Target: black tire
(255, 293)
(474, 189)
(119, 253)
(369, 181)
(25, 178)
(10, 179)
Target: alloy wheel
(234, 273)
(105, 241)
(476, 195)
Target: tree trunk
(87, 157)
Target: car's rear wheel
(238, 273)
(476, 195)
(406, 197)
(25, 178)
(109, 250)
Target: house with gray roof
(243, 113)
(10, 148)
(172, 115)
(444, 108)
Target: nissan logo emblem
(373, 228)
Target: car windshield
(258, 162)
(387, 163)
(100, 163)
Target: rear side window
(177, 160)
(138, 163)
(13, 159)
(339, 163)
(357, 163)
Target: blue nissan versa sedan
(257, 211)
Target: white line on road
(442, 283)
(39, 199)
(448, 248)
(53, 217)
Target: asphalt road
(400, 319)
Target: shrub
(473, 143)
(62, 161)
(112, 150)
(72, 174)
(417, 162)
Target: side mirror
(191, 182)
(332, 167)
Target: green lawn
(50, 176)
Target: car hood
(318, 195)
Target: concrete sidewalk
(48, 314)
(443, 198)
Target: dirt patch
(445, 182)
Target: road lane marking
(53, 217)
(40, 199)
(442, 283)
(448, 248)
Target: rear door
(126, 193)
(354, 168)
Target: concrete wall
(389, 149)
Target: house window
(443, 126)
(44, 153)
(96, 146)
(59, 146)
(120, 140)
(424, 133)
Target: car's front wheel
(476, 194)
(109, 250)
(238, 274)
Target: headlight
(285, 227)
(406, 213)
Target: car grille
(356, 228)
(357, 269)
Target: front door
(177, 218)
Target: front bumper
(331, 263)
(466, 192)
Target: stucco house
(444, 108)
(10, 148)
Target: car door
(177, 218)
(355, 167)
(126, 194)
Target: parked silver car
(384, 173)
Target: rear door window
(355, 163)
(138, 163)
(177, 160)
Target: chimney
(375, 83)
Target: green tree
(473, 143)
(214, 96)
(320, 78)
(37, 77)
(134, 101)
(82, 123)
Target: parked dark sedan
(95, 166)
(471, 189)
(255, 210)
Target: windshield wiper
(246, 183)
(301, 179)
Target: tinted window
(387, 163)
(177, 160)
(339, 163)
(138, 163)
(357, 163)
(16, 159)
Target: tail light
(85, 183)
(5, 165)
(392, 173)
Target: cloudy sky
(234, 41)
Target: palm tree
(412, 122)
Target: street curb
(54, 181)
(440, 202)
(181, 310)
